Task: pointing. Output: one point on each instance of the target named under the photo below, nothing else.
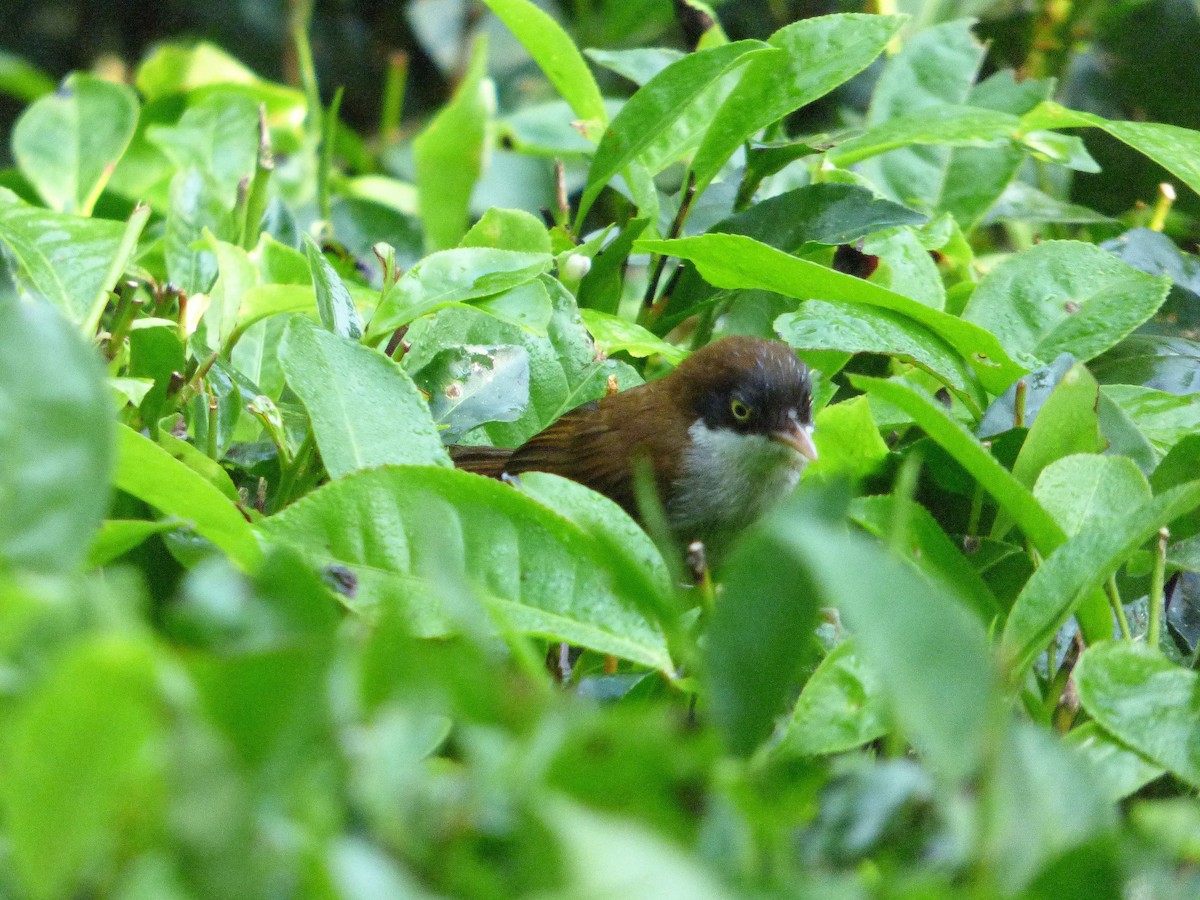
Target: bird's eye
(740, 411)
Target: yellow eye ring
(740, 410)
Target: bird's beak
(799, 438)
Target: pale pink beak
(799, 438)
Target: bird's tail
(489, 461)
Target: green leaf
(1079, 567)
(197, 204)
(149, 472)
(509, 229)
(420, 536)
(452, 276)
(1165, 419)
(469, 386)
(614, 334)
(591, 841)
(365, 410)
(563, 369)
(632, 556)
(858, 328)
(334, 303)
(840, 708)
(929, 547)
(671, 104)
(848, 442)
(1031, 518)
(217, 136)
(66, 259)
(935, 67)
(21, 79)
(976, 178)
(67, 143)
(1063, 296)
(819, 54)
(734, 261)
(638, 64)
(117, 537)
(1067, 423)
(56, 447)
(1170, 364)
(929, 653)
(1147, 701)
(1085, 490)
(81, 766)
(906, 266)
(760, 635)
(448, 156)
(556, 55)
(1175, 149)
(1116, 768)
(939, 126)
(1041, 802)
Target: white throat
(727, 480)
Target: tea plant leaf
(1164, 419)
(734, 261)
(819, 54)
(334, 304)
(928, 651)
(556, 55)
(449, 154)
(68, 143)
(858, 328)
(1175, 149)
(1085, 489)
(1063, 296)
(365, 410)
(665, 105)
(1031, 518)
(150, 473)
(1066, 423)
(452, 276)
(840, 708)
(1147, 701)
(56, 446)
(614, 334)
(66, 259)
(77, 761)
(470, 385)
(936, 67)
(412, 534)
(1079, 567)
(1118, 769)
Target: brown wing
(597, 443)
(489, 461)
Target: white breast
(727, 480)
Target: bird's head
(750, 386)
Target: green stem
(393, 99)
(127, 307)
(904, 491)
(1162, 206)
(291, 473)
(325, 164)
(1114, 598)
(116, 268)
(1019, 404)
(301, 16)
(256, 196)
(195, 386)
(213, 416)
(1156, 588)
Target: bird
(725, 434)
